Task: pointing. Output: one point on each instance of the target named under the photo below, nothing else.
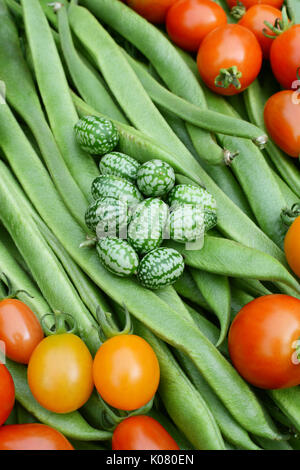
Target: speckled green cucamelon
(160, 268)
(96, 135)
(187, 223)
(146, 229)
(116, 187)
(117, 256)
(109, 212)
(189, 194)
(155, 178)
(119, 164)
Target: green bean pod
(179, 438)
(71, 424)
(252, 286)
(187, 288)
(288, 400)
(55, 93)
(294, 10)
(267, 444)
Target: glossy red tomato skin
(19, 329)
(282, 117)
(285, 57)
(262, 341)
(227, 46)
(254, 20)
(32, 437)
(154, 11)
(292, 246)
(189, 21)
(126, 372)
(250, 3)
(142, 433)
(7, 393)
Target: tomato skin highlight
(262, 340)
(227, 46)
(282, 117)
(19, 329)
(60, 373)
(189, 21)
(153, 10)
(249, 3)
(254, 20)
(126, 372)
(7, 394)
(292, 246)
(285, 56)
(32, 437)
(142, 433)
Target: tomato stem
(279, 26)
(229, 77)
(11, 293)
(288, 216)
(108, 327)
(238, 11)
(63, 323)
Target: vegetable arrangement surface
(149, 225)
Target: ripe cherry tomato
(292, 246)
(263, 339)
(254, 20)
(126, 372)
(229, 47)
(19, 329)
(189, 21)
(285, 56)
(142, 433)
(60, 373)
(7, 394)
(249, 3)
(153, 10)
(282, 118)
(32, 437)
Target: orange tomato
(126, 372)
(292, 246)
(282, 118)
(7, 394)
(264, 342)
(153, 10)
(19, 329)
(32, 437)
(60, 373)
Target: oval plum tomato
(229, 59)
(263, 339)
(189, 21)
(282, 120)
(285, 56)
(60, 373)
(142, 433)
(126, 372)
(153, 10)
(19, 329)
(292, 246)
(254, 20)
(7, 394)
(249, 3)
(32, 437)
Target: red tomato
(282, 120)
(60, 373)
(189, 21)
(254, 20)
(153, 10)
(32, 437)
(292, 246)
(126, 372)
(250, 3)
(7, 394)
(142, 433)
(263, 339)
(226, 47)
(285, 56)
(19, 329)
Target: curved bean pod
(288, 400)
(187, 288)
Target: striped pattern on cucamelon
(155, 178)
(96, 135)
(146, 229)
(117, 256)
(189, 194)
(160, 268)
(106, 215)
(119, 164)
(119, 188)
(187, 223)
